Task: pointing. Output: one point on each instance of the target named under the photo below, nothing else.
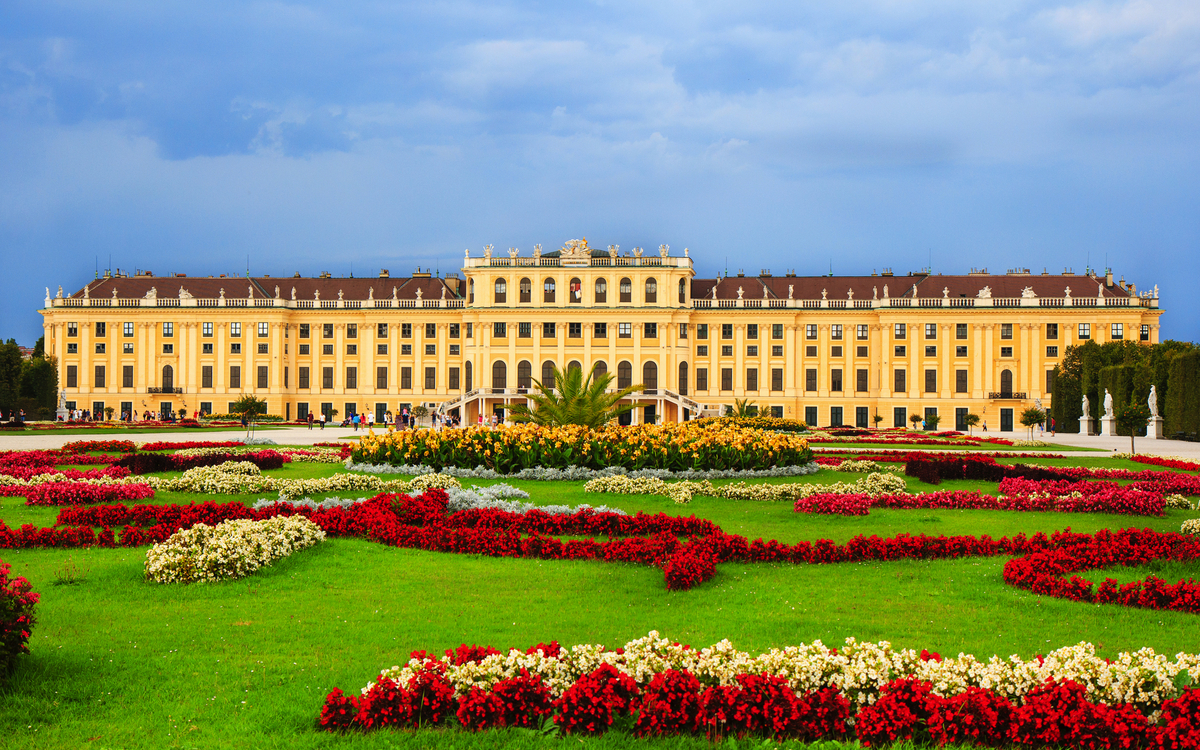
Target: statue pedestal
(61, 414)
(1108, 426)
(1154, 428)
(1086, 426)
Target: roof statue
(740, 292)
(47, 296)
(317, 294)
(185, 294)
(1155, 291)
(985, 293)
(1067, 293)
(685, 253)
(513, 252)
(537, 251)
(914, 291)
(946, 293)
(714, 291)
(1100, 290)
(276, 291)
(850, 293)
(663, 250)
(823, 293)
(222, 295)
(874, 292)
(115, 292)
(370, 293)
(487, 252)
(60, 291)
(250, 292)
(466, 252)
(152, 294)
(576, 250)
(419, 294)
(765, 290)
(293, 294)
(339, 294)
(885, 291)
(393, 294)
(1028, 293)
(791, 290)
(637, 252)
(85, 290)
(444, 289)
(613, 250)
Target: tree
(1032, 416)
(418, 413)
(575, 400)
(970, 421)
(108, 412)
(249, 406)
(741, 408)
(1130, 419)
(10, 375)
(931, 422)
(877, 419)
(915, 419)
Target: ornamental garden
(736, 581)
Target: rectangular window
(931, 381)
(128, 330)
(863, 331)
(835, 416)
(960, 381)
(752, 378)
(835, 332)
(205, 376)
(431, 330)
(72, 329)
(326, 377)
(168, 330)
(524, 330)
(751, 351)
(406, 350)
(702, 351)
(406, 378)
(262, 376)
(1052, 331)
(381, 330)
(777, 412)
(727, 378)
(327, 349)
(127, 376)
(726, 351)
(960, 331)
(454, 350)
(1006, 351)
(101, 330)
(931, 351)
(302, 411)
(835, 379)
(600, 330)
(960, 351)
(810, 331)
(100, 347)
(168, 348)
(1085, 330)
(861, 352)
(499, 330)
(860, 377)
(702, 331)
(810, 379)
(263, 330)
(72, 348)
(624, 330)
(862, 417)
(683, 330)
(352, 349)
(899, 331)
(235, 330)
(900, 384)
(381, 378)
(1006, 331)
(470, 330)
(777, 330)
(430, 378)
(351, 331)
(900, 416)
(1051, 351)
(263, 348)
(1049, 381)
(930, 331)
(777, 378)
(810, 415)
(455, 330)
(900, 351)
(810, 351)
(406, 330)
(1145, 336)
(549, 330)
(351, 377)
(380, 349)
(235, 376)
(304, 330)
(1118, 331)
(302, 377)
(574, 330)
(431, 349)
(776, 351)
(751, 331)
(72, 376)
(702, 378)
(727, 330)
(452, 379)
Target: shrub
(589, 705)
(17, 602)
(670, 704)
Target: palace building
(829, 350)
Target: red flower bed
(1169, 463)
(100, 446)
(17, 602)
(28, 472)
(169, 446)
(1043, 571)
(1020, 495)
(71, 493)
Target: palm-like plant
(743, 407)
(573, 399)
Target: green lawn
(120, 663)
(128, 430)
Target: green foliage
(1031, 417)
(971, 420)
(250, 406)
(915, 418)
(932, 421)
(742, 407)
(1181, 401)
(1131, 419)
(576, 400)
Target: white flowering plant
(231, 549)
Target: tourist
(322, 420)
(985, 426)
(1052, 424)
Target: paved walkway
(1121, 445)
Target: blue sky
(184, 137)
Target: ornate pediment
(576, 252)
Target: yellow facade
(798, 347)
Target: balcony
(1008, 395)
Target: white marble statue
(850, 294)
(1100, 289)
(293, 294)
(885, 291)
(487, 252)
(946, 293)
(791, 291)
(393, 294)
(339, 295)
(370, 293)
(823, 293)
(1087, 407)
(59, 295)
(1028, 293)
(317, 295)
(152, 294)
(537, 251)
(637, 252)
(250, 292)
(276, 291)
(714, 291)
(512, 252)
(740, 292)
(420, 294)
(1108, 403)
(1067, 293)
(1153, 402)
(764, 291)
(874, 292)
(613, 250)
(663, 250)
(985, 293)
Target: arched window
(601, 291)
(651, 290)
(471, 292)
(682, 291)
(548, 290)
(168, 379)
(499, 374)
(501, 291)
(650, 375)
(626, 290)
(624, 375)
(526, 290)
(601, 368)
(575, 289)
(548, 374)
(1006, 386)
(467, 379)
(574, 365)
(524, 374)
(683, 378)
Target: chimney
(1108, 280)
(383, 273)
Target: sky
(349, 136)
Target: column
(946, 376)
(989, 359)
(976, 359)
(823, 362)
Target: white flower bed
(298, 455)
(682, 492)
(507, 498)
(580, 474)
(862, 467)
(1178, 502)
(1191, 526)
(231, 549)
(859, 669)
(230, 478)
